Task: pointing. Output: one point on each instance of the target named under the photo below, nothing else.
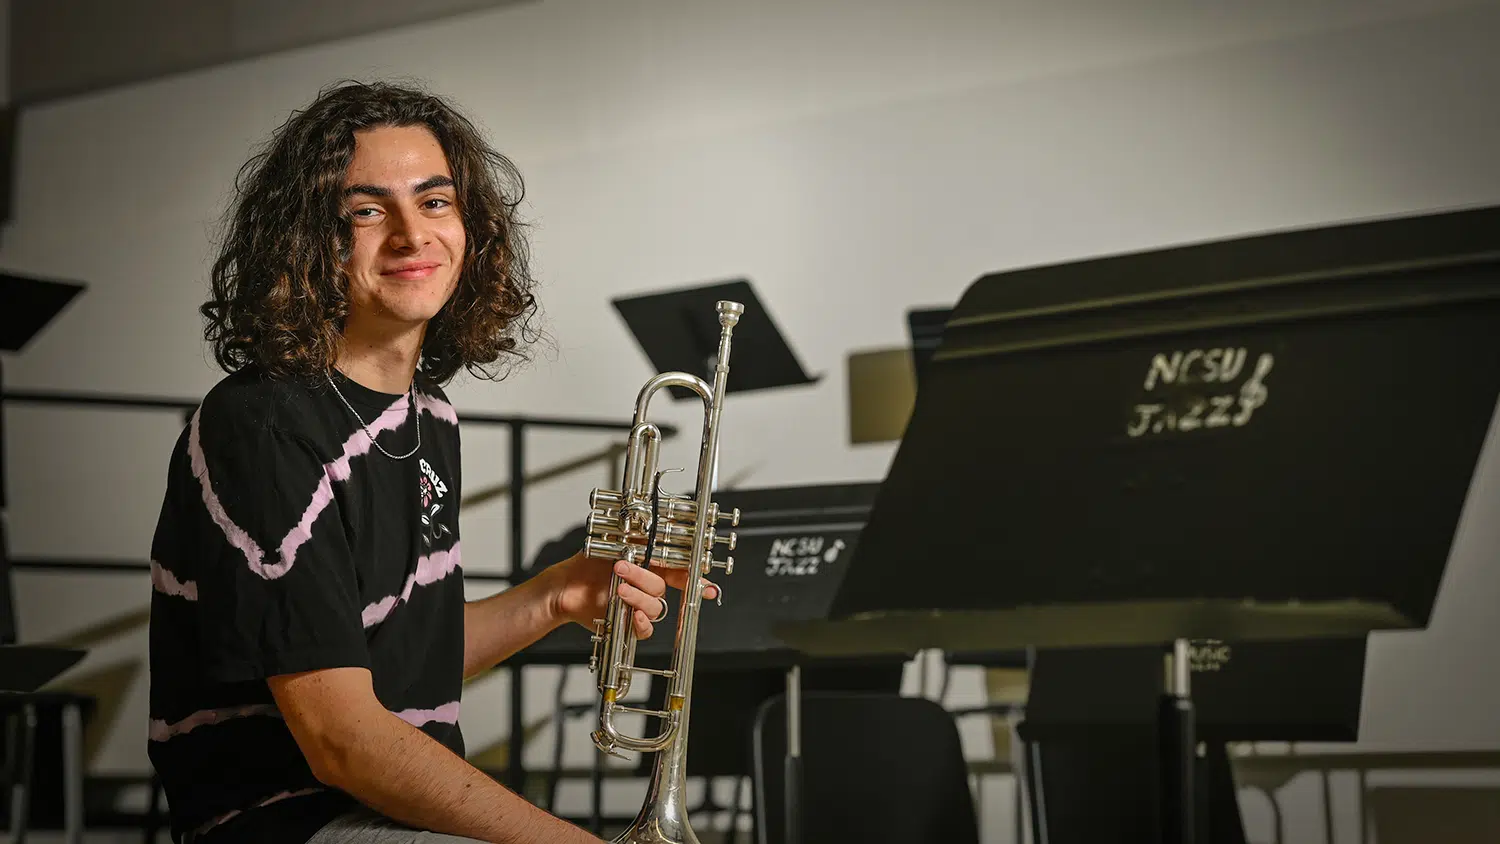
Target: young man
(309, 632)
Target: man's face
(408, 231)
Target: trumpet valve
(604, 499)
(727, 564)
(599, 525)
(593, 546)
(728, 539)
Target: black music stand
(1265, 438)
(27, 305)
(1081, 753)
(679, 331)
(925, 328)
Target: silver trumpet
(642, 524)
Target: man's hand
(575, 590)
(581, 589)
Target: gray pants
(363, 826)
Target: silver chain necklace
(411, 399)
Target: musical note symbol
(833, 552)
(1253, 393)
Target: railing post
(515, 767)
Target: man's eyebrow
(376, 190)
(368, 190)
(434, 182)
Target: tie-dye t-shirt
(288, 543)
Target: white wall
(853, 159)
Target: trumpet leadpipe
(669, 504)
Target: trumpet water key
(644, 525)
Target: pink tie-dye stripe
(430, 569)
(161, 731)
(275, 798)
(236, 536)
(303, 531)
(356, 445)
(438, 408)
(445, 714)
(167, 583)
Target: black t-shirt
(287, 542)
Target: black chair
(1114, 770)
(41, 744)
(875, 768)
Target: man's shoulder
(248, 402)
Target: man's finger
(677, 579)
(643, 601)
(646, 581)
(643, 625)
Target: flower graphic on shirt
(430, 488)
(431, 527)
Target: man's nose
(408, 230)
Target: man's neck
(386, 366)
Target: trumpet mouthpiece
(729, 313)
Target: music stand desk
(679, 332)
(26, 668)
(1265, 438)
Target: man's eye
(438, 202)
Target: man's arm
(354, 744)
(502, 624)
(574, 590)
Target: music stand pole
(793, 766)
(1177, 745)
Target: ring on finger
(663, 614)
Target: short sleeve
(277, 587)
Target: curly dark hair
(279, 283)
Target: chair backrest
(875, 768)
(730, 698)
